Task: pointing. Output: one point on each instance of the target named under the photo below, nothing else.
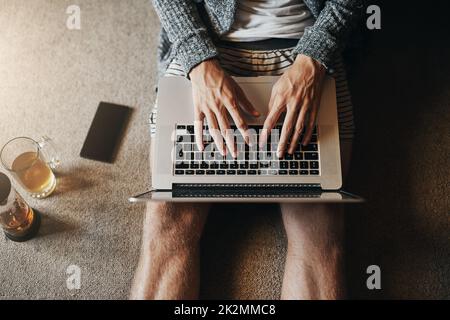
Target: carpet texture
(51, 81)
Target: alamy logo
(73, 281)
(74, 19)
(374, 280)
(374, 20)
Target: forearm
(186, 31)
(327, 37)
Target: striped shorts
(251, 63)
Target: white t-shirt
(264, 19)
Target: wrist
(204, 67)
(302, 60)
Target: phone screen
(105, 132)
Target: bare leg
(314, 262)
(314, 257)
(169, 263)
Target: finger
(226, 131)
(297, 132)
(198, 128)
(238, 119)
(296, 136)
(311, 122)
(288, 124)
(215, 132)
(299, 126)
(246, 104)
(269, 123)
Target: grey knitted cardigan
(189, 33)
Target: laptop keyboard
(250, 161)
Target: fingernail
(256, 113)
(280, 154)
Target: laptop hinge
(244, 190)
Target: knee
(174, 223)
(310, 226)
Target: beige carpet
(51, 81)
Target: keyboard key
(189, 172)
(314, 172)
(195, 165)
(264, 165)
(251, 172)
(269, 156)
(200, 172)
(181, 165)
(234, 165)
(204, 165)
(220, 172)
(293, 172)
(303, 172)
(253, 156)
(293, 164)
(207, 138)
(185, 139)
(254, 165)
(311, 156)
(288, 156)
(198, 156)
(231, 172)
(313, 138)
(210, 172)
(181, 127)
(282, 172)
(244, 165)
(210, 155)
(214, 165)
(180, 154)
(310, 147)
(314, 164)
(284, 165)
(190, 129)
(304, 165)
(298, 155)
(179, 172)
(241, 172)
(223, 165)
(274, 164)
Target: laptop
(182, 173)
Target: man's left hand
(298, 93)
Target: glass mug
(18, 220)
(31, 163)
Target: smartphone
(105, 133)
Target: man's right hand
(215, 95)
